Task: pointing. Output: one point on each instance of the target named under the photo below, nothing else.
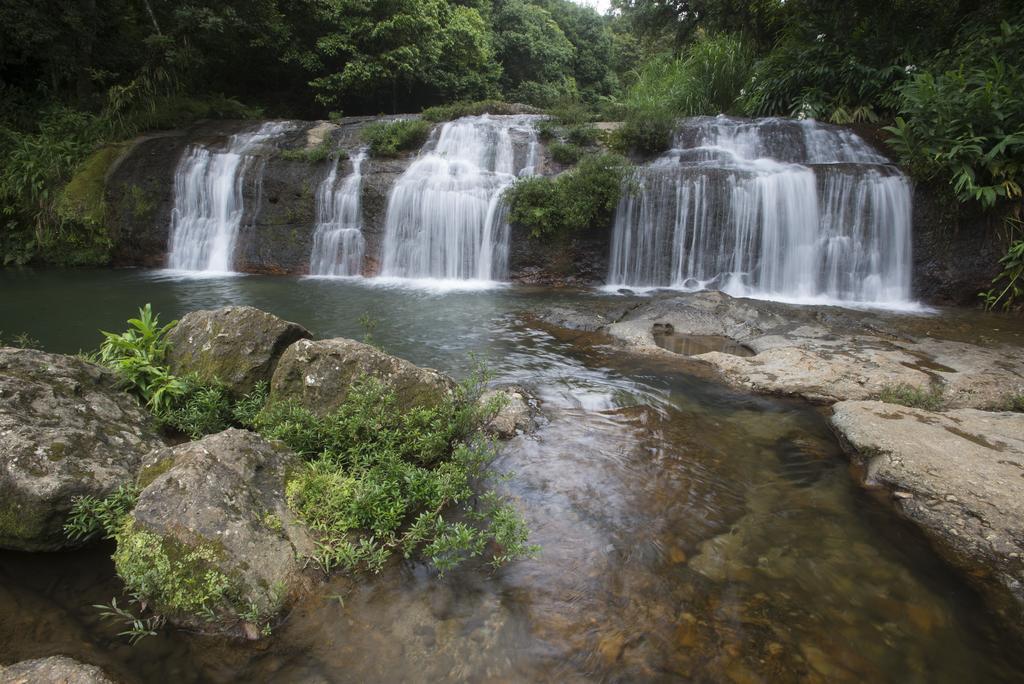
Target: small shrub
(565, 154)
(91, 516)
(313, 155)
(585, 136)
(380, 479)
(457, 110)
(138, 355)
(389, 139)
(1008, 287)
(584, 197)
(21, 341)
(913, 397)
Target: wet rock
(67, 429)
(960, 477)
(238, 345)
(823, 354)
(516, 415)
(212, 535)
(53, 670)
(318, 374)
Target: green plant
(138, 627)
(564, 206)
(21, 340)
(389, 139)
(380, 480)
(138, 354)
(1008, 286)
(456, 110)
(1014, 402)
(313, 155)
(201, 409)
(584, 136)
(368, 323)
(91, 516)
(565, 154)
(914, 397)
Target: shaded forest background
(941, 81)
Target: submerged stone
(67, 429)
(236, 345)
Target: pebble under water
(688, 532)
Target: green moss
(142, 205)
(84, 237)
(175, 577)
(17, 521)
(150, 473)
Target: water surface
(689, 532)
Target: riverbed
(687, 531)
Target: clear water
(689, 532)
(780, 209)
(209, 202)
(338, 243)
(445, 218)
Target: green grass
(456, 110)
(913, 397)
(312, 155)
(391, 138)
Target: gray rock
(53, 670)
(823, 354)
(517, 412)
(960, 476)
(239, 345)
(224, 496)
(67, 429)
(318, 374)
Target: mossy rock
(67, 429)
(238, 346)
(318, 374)
(211, 543)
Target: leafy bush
(584, 197)
(389, 139)
(379, 480)
(1008, 287)
(456, 110)
(565, 154)
(584, 136)
(91, 516)
(964, 119)
(138, 356)
(707, 78)
(913, 397)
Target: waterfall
(208, 201)
(771, 208)
(338, 243)
(445, 218)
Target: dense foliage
(569, 204)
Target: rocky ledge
(53, 670)
(822, 354)
(959, 475)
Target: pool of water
(688, 532)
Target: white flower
(910, 68)
(820, 37)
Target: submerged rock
(212, 543)
(237, 345)
(67, 429)
(515, 414)
(53, 670)
(960, 476)
(318, 375)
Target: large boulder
(959, 475)
(53, 670)
(67, 429)
(212, 543)
(237, 345)
(317, 375)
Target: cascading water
(771, 208)
(208, 201)
(445, 218)
(338, 244)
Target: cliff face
(955, 249)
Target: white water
(338, 244)
(776, 209)
(208, 201)
(445, 219)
